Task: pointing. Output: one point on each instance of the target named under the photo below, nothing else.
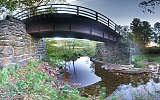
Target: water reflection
(112, 80)
(81, 72)
(125, 86)
(149, 91)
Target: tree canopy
(124, 31)
(141, 32)
(149, 5)
(8, 6)
(23, 4)
(157, 32)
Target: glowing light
(60, 38)
(69, 1)
(152, 44)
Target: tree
(8, 6)
(141, 32)
(24, 4)
(124, 31)
(135, 29)
(157, 32)
(147, 32)
(149, 5)
(157, 26)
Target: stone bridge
(22, 35)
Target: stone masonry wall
(113, 52)
(16, 46)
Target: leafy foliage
(157, 32)
(139, 60)
(24, 4)
(67, 50)
(35, 81)
(141, 32)
(124, 31)
(149, 5)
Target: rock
(128, 66)
(5, 51)
(126, 69)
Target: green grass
(138, 60)
(68, 50)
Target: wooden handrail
(67, 8)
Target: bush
(138, 60)
(35, 81)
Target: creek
(89, 74)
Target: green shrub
(138, 60)
(34, 82)
(37, 81)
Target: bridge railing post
(78, 10)
(96, 16)
(108, 22)
(115, 27)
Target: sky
(121, 12)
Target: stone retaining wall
(16, 46)
(113, 52)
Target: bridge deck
(68, 21)
(69, 25)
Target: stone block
(18, 44)
(5, 43)
(5, 61)
(5, 51)
(3, 37)
(27, 50)
(19, 58)
(18, 51)
(13, 37)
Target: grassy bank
(138, 60)
(37, 81)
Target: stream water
(126, 87)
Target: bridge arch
(21, 35)
(68, 21)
